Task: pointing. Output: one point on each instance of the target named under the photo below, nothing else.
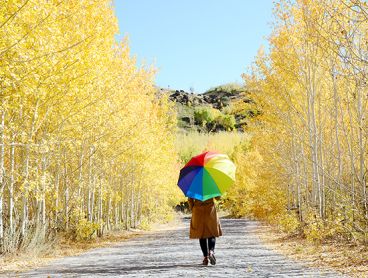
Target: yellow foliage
(254, 194)
(289, 223)
(91, 134)
(85, 229)
(311, 134)
(315, 229)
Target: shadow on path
(170, 253)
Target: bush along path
(170, 253)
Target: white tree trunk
(362, 151)
(43, 191)
(11, 189)
(25, 193)
(80, 178)
(66, 193)
(2, 174)
(57, 186)
(90, 184)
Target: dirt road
(170, 253)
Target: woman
(205, 225)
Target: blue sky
(195, 43)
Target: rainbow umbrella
(206, 176)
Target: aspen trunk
(322, 187)
(99, 214)
(43, 191)
(57, 185)
(139, 199)
(321, 165)
(25, 193)
(66, 193)
(37, 193)
(308, 196)
(298, 190)
(139, 208)
(313, 136)
(350, 143)
(132, 203)
(127, 205)
(121, 200)
(11, 189)
(90, 184)
(337, 137)
(80, 177)
(315, 158)
(362, 151)
(2, 174)
(116, 216)
(108, 212)
(93, 216)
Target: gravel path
(170, 253)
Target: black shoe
(212, 258)
(205, 261)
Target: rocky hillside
(221, 108)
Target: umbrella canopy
(206, 176)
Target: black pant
(207, 247)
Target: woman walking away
(205, 225)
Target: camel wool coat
(205, 222)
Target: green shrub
(85, 229)
(227, 121)
(289, 223)
(205, 115)
(229, 88)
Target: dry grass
(20, 262)
(346, 258)
(194, 143)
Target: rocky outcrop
(217, 98)
(185, 98)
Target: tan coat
(205, 222)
